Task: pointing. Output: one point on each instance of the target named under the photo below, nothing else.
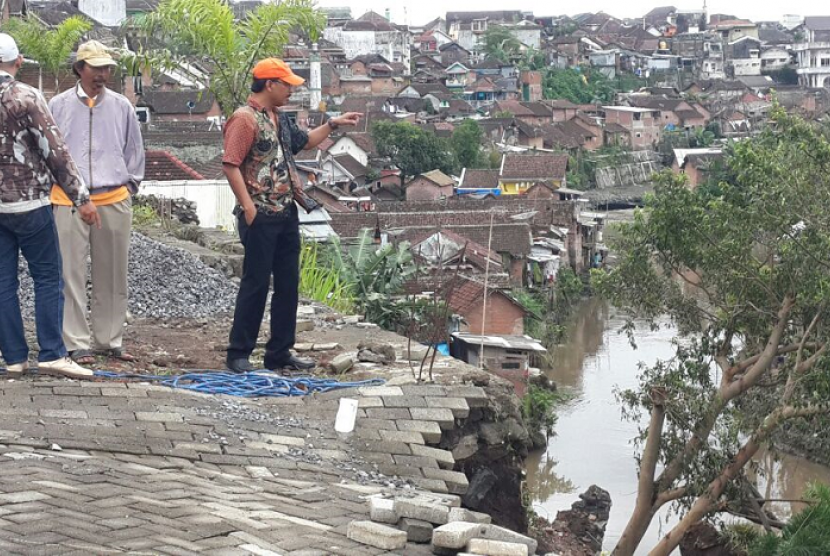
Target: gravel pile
(164, 281)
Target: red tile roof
(163, 166)
(466, 295)
(480, 179)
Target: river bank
(593, 444)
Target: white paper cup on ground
(346, 415)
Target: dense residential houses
(680, 84)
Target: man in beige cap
(104, 138)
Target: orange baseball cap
(274, 68)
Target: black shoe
(239, 365)
(293, 364)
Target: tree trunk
(634, 531)
(707, 502)
(645, 507)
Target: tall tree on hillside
(50, 48)
(184, 33)
(499, 43)
(466, 144)
(411, 149)
(743, 270)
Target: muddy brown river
(593, 444)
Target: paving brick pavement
(115, 468)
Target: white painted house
(346, 145)
(111, 13)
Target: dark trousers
(34, 234)
(272, 248)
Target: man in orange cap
(260, 144)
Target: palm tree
(181, 33)
(50, 48)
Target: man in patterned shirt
(33, 155)
(260, 144)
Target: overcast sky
(418, 12)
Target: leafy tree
(466, 144)
(185, 32)
(743, 272)
(578, 85)
(499, 43)
(808, 532)
(702, 138)
(50, 48)
(411, 149)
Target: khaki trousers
(108, 249)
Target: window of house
(825, 62)
(513, 352)
(638, 134)
(507, 366)
(479, 25)
(637, 116)
(143, 115)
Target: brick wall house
(430, 186)
(504, 316)
(642, 124)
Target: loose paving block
(382, 510)
(463, 514)
(459, 407)
(455, 535)
(457, 482)
(496, 533)
(434, 509)
(440, 415)
(404, 401)
(487, 547)
(305, 326)
(443, 457)
(430, 430)
(377, 535)
(417, 531)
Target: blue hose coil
(246, 385)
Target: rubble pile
(179, 209)
(164, 282)
(437, 519)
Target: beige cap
(95, 54)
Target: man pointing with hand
(260, 144)
(33, 156)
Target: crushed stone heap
(164, 282)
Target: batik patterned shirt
(254, 144)
(33, 154)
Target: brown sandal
(82, 357)
(118, 353)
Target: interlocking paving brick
(459, 406)
(430, 430)
(410, 437)
(135, 476)
(390, 413)
(444, 458)
(404, 401)
(159, 417)
(444, 417)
